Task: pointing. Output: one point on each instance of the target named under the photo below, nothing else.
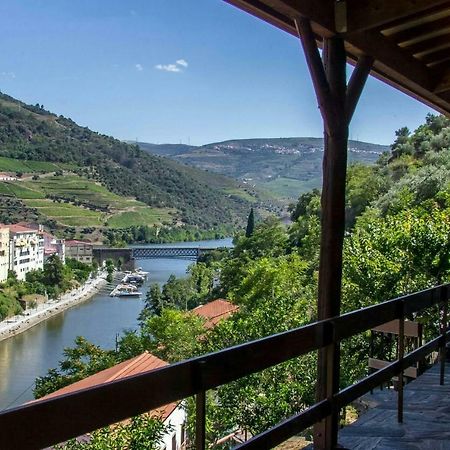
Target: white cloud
(182, 62)
(7, 75)
(139, 67)
(179, 65)
(168, 67)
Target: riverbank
(20, 323)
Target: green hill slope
(33, 140)
(284, 166)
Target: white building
(54, 246)
(7, 177)
(26, 250)
(4, 253)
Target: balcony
(60, 418)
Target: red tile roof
(144, 362)
(19, 229)
(76, 242)
(215, 311)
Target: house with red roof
(215, 311)
(173, 415)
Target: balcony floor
(426, 422)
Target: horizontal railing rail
(47, 422)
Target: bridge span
(130, 254)
(168, 252)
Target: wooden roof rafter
(408, 39)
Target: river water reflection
(32, 353)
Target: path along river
(31, 353)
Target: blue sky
(195, 71)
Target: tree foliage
(397, 242)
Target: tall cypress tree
(250, 224)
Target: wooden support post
(442, 347)
(200, 421)
(401, 354)
(329, 79)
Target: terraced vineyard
(16, 165)
(75, 201)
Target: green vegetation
(39, 141)
(74, 201)
(291, 187)
(53, 280)
(140, 433)
(250, 224)
(142, 216)
(24, 166)
(397, 242)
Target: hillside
(285, 167)
(136, 187)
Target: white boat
(125, 290)
(133, 278)
(141, 273)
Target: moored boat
(125, 290)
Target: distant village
(25, 247)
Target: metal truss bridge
(168, 252)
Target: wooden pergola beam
(356, 84)
(315, 66)
(364, 15)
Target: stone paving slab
(426, 424)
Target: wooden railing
(47, 422)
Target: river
(31, 353)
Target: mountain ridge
(284, 166)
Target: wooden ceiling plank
(437, 56)
(364, 15)
(443, 85)
(421, 32)
(429, 45)
(382, 49)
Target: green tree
(172, 336)
(250, 224)
(142, 432)
(153, 303)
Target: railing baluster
(401, 354)
(200, 421)
(442, 347)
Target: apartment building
(4, 253)
(26, 250)
(79, 250)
